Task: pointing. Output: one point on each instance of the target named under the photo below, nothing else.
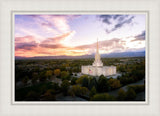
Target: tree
(114, 83)
(34, 77)
(42, 76)
(48, 74)
(121, 68)
(55, 86)
(83, 91)
(80, 79)
(65, 75)
(75, 90)
(102, 84)
(49, 95)
(73, 80)
(32, 96)
(78, 90)
(92, 83)
(57, 72)
(137, 88)
(130, 94)
(34, 80)
(92, 92)
(102, 97)
(65, 86)
(121, 95)
(85, 82)
(25, 79)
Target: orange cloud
(55, 41)
(28, 46)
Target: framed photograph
(88, 59)
(59, 65)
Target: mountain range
(110, 55)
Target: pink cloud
(28, 46)
(55, 41)
(26, 39)
(26, 42)
(31, 32)
(56, 23)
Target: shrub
(73, 80)
(92, 92)
(65, 86)
(137, 88)
(102, 97)
(121, 95)
(49, 95)
(78, 90)
(130, 95)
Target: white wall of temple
(97, 71)
(84, 69)
(109, 70)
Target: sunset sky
(75, 35)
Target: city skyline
(75, 35)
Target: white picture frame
(14, 13)
(7, 107)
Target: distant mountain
(110, 55)
(124, 54)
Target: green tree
(48, 74)
(32, 96)
(130, 95)
(92, 92)
(102, 84)
(65, 86)
(55, 86)
(73, 80)
(75, 90)
(42, 76)
(92, 83)
(49, 95)
(114, 83)
(57, 72)
(80, 79)
(25, 79)
(34, 80)
(78, 90)
(102, 97)
(85, 82)
(65, 75)
(34, 77)
(83, 90)
(121, 95)
(137, 88)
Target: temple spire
(97, 45)
(97, 61)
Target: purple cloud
(117, 21)
(120, 24)
(140, 37)
(26, 46)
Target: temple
(97, 68)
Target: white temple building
(97, 68)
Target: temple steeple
(97, 61)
